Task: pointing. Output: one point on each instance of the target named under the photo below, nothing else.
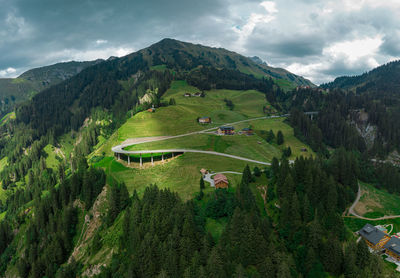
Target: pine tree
(202, 185)
(270, 136)
(279, 138)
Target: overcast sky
(319, 40)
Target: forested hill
(187, 56)
(381, 79)
(118, 83)
(15, 90)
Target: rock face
(360, 120)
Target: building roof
(203, 171)
(226, 128)
(204, 118)
(371, 233)
(393, 245)
(247, 129)
(220, 178)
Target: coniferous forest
(297, 230)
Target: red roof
(220, 178)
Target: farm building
(198, 94)
(204, 120)
(220, 181)
(392, 248)
(203, 172)
(226, 130)
(247, 131)
(373, 236)
(187, 95)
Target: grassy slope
(380, 203)
(182, 174)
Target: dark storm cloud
(304, 36)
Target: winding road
(352, 212)
(120, 149)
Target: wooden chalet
(205, 120)
(220, 181)
(226, 130)
(392, 248)
(374, 237)
(247, 131)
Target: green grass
(52, 158)
(7, 117)
(181, 118)
(286, 85)
(379, 202)
(159, 67)
(182, 174)
(216, 227)
(3, 163)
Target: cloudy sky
(319, 39)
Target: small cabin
(187, 95)
(204, 120)
(374, 237)
(203, 172)
(247, 131)
(198, 94)
(220, 181)
(226, 130)
(392, 248)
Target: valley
(181, 160)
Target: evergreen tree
(279, 138)
(202, 185)
(270, 136)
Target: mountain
(189, 56)
(258, 60)
(70, 207)
(15, 90)
(384, 78)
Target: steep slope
(187, 56)
(384, 78)
(15, 90)
(118, 83)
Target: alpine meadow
(121, 157)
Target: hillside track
(120, 149)
(352, 212)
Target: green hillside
(182, 173)
(25, 86)
(193, 55)
(69, 208)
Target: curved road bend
(137, 141)
(352, 212)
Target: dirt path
(352, 212)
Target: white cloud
(253, 20)
(9, 72)
(98, 42)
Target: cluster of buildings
(378, 240)
(197, 94)
(230, 130)
(220, 180)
